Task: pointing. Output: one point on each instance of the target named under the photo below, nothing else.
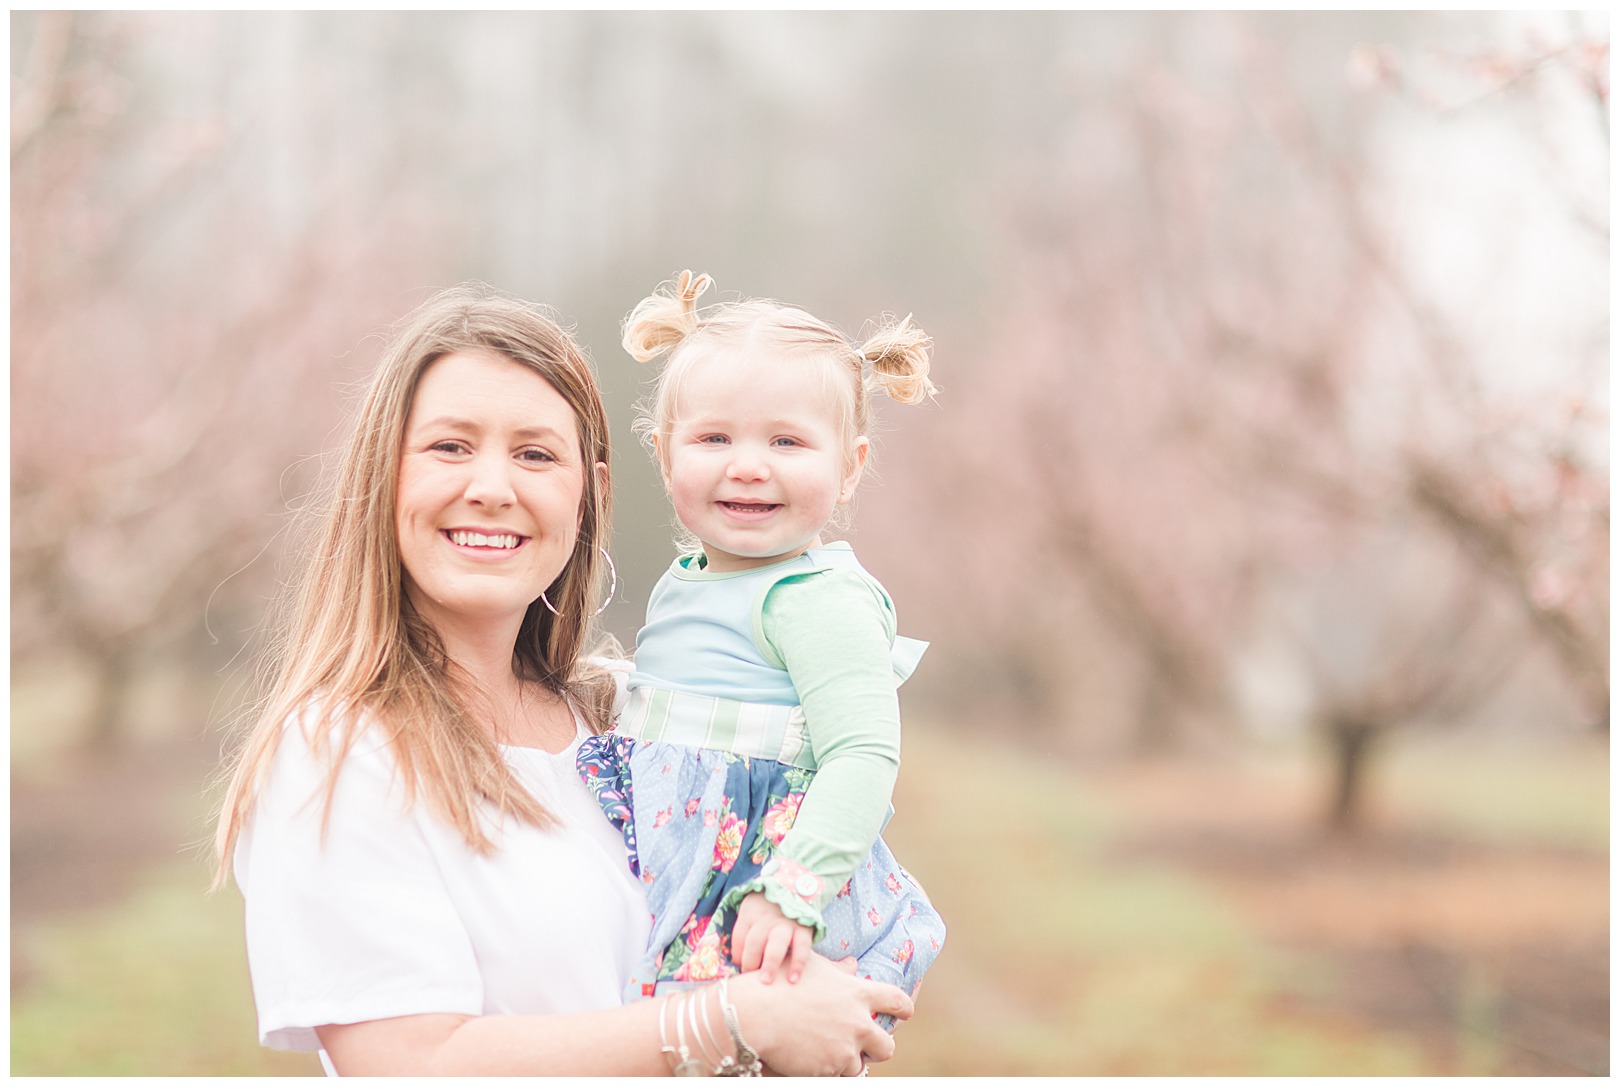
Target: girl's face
(490, 488)
(755, 460)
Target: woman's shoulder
(323, 737)
(314, 785)
(617, 668)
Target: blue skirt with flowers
(698, 822)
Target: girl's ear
(863, 446)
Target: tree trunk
(109, 707)
(1352, 745)
(1156, 729)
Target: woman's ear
(852, 479)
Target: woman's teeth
(478, 539)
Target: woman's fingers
(877, 1044)
(889, 1000)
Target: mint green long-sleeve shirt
(832, 632)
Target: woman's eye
(447, 447)
(536, 456)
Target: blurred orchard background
(1261, 527)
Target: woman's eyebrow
(452, 422)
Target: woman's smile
(485, 542)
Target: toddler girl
(752, 767)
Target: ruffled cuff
(791, 888)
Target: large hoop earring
(613, 587)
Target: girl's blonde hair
(893, 359)
(350, 650)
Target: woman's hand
(821, 1026)
(764, 939)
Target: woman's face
(490, 486)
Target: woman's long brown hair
(349, 652)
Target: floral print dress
(700, 821)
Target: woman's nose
(490, 483)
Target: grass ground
(156, 985)
(1127, 922)
(1063, 961)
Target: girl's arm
(821, 1026)
(833, 632)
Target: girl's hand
(764, 939)
(823, 1025)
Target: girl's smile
(750, 510)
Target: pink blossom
(728, 843)
(707, 960)
(778, 820)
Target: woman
(429, 887)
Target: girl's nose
(747, 465)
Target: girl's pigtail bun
(664, 318)
(898, 353)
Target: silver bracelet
(687, 1065)
(707, 1050)
(702, 1036)
(748, 1063)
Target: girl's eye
(785, 441)
(714, 439)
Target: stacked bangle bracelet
(702, 1054)
(748, 1063)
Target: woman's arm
(821, 1026)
